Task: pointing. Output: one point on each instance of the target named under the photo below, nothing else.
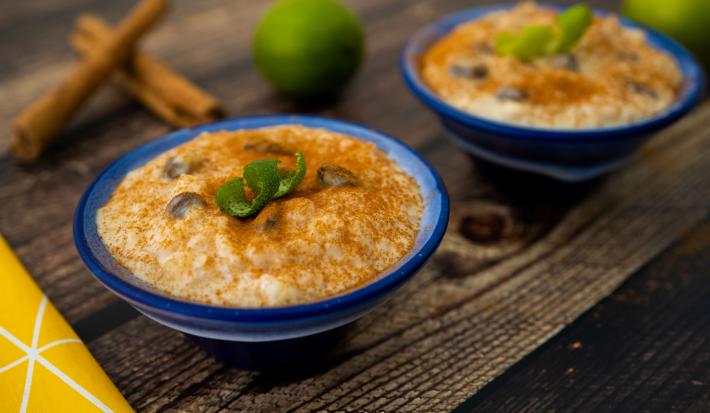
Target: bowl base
(273, 355)
(566, 173)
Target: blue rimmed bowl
(565, 154)
(260, 338)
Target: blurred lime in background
(688, 21)
(308, 49)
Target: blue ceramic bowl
(567, 154)
(260, 338)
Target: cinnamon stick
(167, 94)
(36, 127)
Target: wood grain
(523, 256)
(645, 348)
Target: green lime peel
(537, 41)
(265, 180)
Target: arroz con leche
(355, 215)
(611, 77)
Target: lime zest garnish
(267, 182)
(262, 177)
(534, 41)
(291, 179)
(572, 24)
(543, 40)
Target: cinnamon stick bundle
(39, 124)
(167, 94)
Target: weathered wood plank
(644, 348)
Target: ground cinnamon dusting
(314, 243)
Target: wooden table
(489, 324)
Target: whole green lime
(688, 21)
(308, 48)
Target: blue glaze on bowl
(565, 154)
(239, 335)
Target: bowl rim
(372, 290)
(694, 82)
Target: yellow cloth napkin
(44, 367)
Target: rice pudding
(611, 77)
(354, 215)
